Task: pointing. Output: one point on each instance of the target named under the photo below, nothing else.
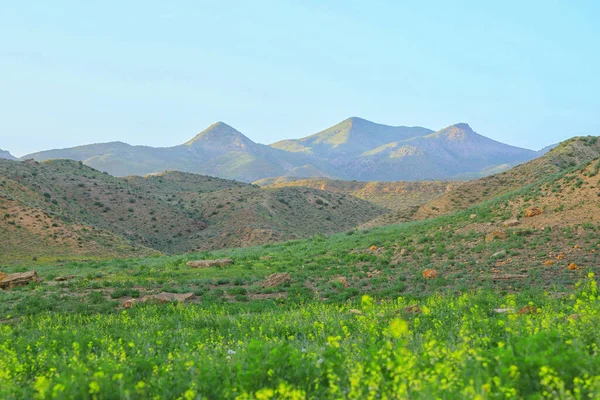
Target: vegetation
(66, 209)
(498, 300)
(453, 347)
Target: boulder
(503, 310)
(65, 278)
(276, 279)
(499, 254)
(429, 273)
(533, 211)
(490, 237)
(129, 303)
(413, 309)
(165, 297)
(510, 223)
(342, 280)
(210, 263)
(528, 310)
(9, 281)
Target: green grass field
(451, 347)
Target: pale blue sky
(157, 72)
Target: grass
(452, 347)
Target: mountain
(352, 136)
(68, 209)
(219, 150)
(359, 149)
(354, 149)
(6, 155)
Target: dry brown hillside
(570, 153)
(29, 232)
(392, 195)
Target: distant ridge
(6, 155)
(354, 149)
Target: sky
(157, 72)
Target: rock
(165, 297)
(510, 223)
(499, 254)
(528, 310)
(413, 310)
(572, 267)
(490, 237)
(533, 211)
(342, 280)
(20, 279)
(210, 263)
(65, 278)
(508, 277)
(276, 279)
(372, 274)
(129, 303)
(429, 273)
(503, 310)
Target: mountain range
(354, 149)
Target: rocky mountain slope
(355, 149)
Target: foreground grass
(452, 347)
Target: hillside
(32, 228)
(398, 197)
(567, 154)
(170, 212)
(354, 149)
(240, 215)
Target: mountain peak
(460, 131)
(218, 131)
